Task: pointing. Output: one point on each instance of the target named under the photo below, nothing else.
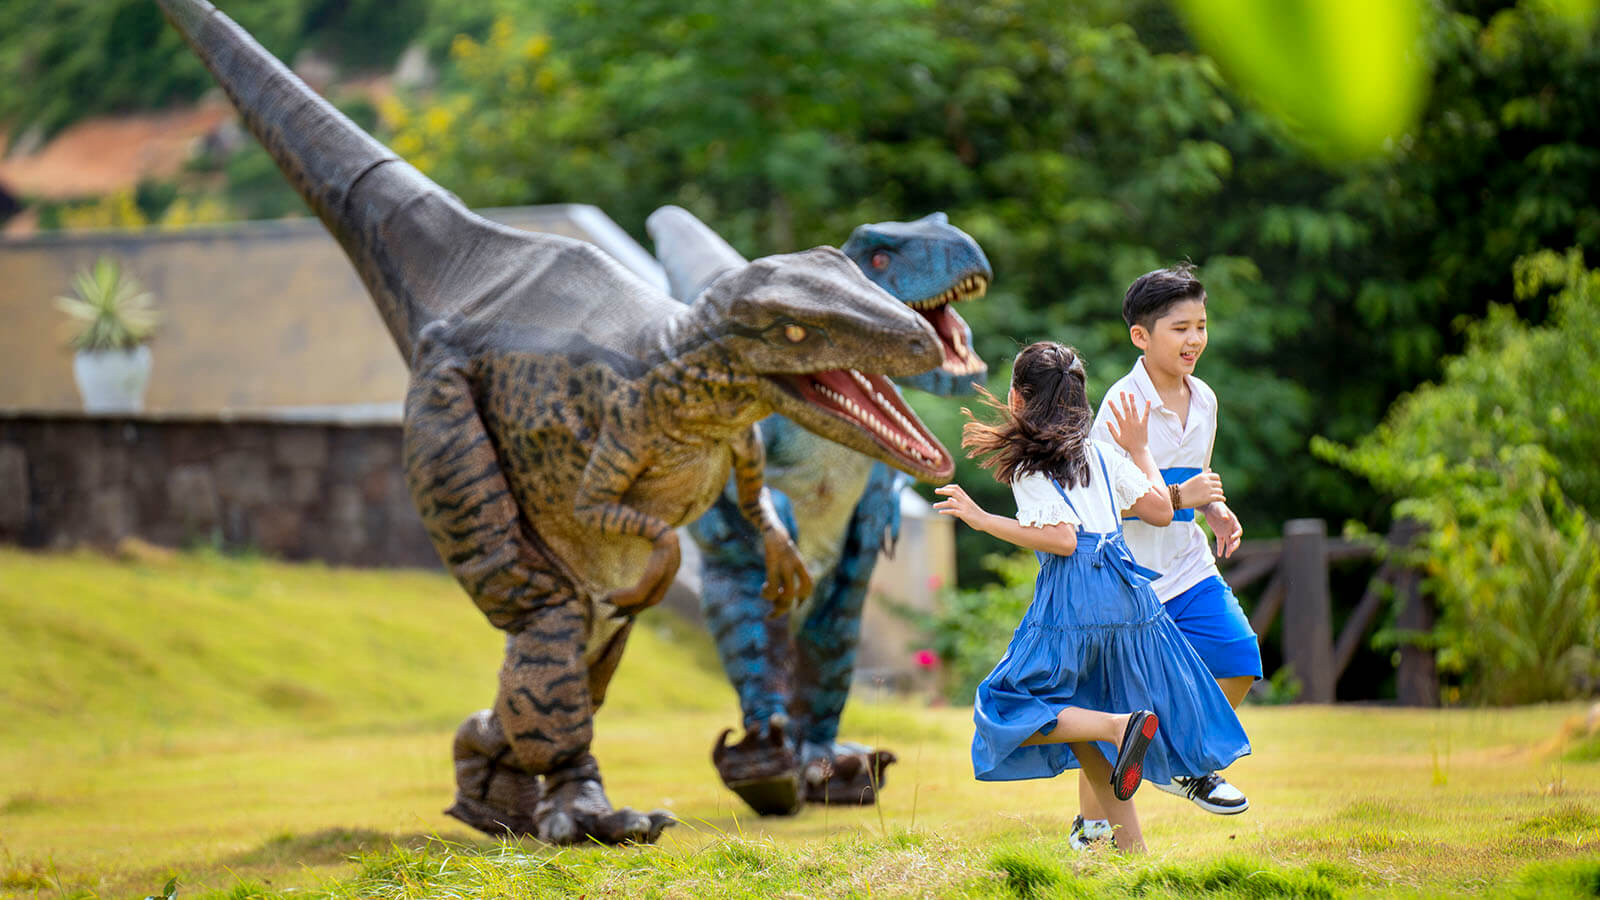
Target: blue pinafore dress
(1096, 637)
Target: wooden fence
(1297, 571)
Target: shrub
(972, 627)
(1497, 459)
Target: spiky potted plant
(116, 317)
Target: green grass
(256, 729)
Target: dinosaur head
(822, 339)
(930, 265)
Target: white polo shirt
(1178, 551)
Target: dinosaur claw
(575, 810)
(852, 777)
(761, 769)
(558, 828)
(660, 820)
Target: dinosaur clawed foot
(491, 790)
(498, 797)
(844, 774)
(762, 769)
(489, 819)
(577, 811)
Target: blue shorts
(1209, 616)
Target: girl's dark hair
(1050, 435)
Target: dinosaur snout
(914, 351)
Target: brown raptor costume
(564, 417)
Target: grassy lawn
(256, 729)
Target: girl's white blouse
(1039, 505)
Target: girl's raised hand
(958, 504)
(1129, 426)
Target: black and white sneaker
(1084, 834)
(1210, 792)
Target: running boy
(1166, 315)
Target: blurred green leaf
(1345, 75)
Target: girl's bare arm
(1060, 538)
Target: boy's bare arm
(1201, 491)
(1225, 525)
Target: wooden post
(1401, 536)
(1417, 681)
(1307, 619)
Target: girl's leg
(1088, 801)
(1075, 724)
(1124, 818)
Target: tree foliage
(1498, 460)
(67, 59)
(1082, 144)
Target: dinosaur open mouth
(959, 359)
(872, 402)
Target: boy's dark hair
(1153, 293)
(1050, 435)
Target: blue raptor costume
(793, 677)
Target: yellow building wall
(255, 315)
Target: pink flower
(926, 658)
(935, 582)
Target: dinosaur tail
(323, 154)
(690, 251)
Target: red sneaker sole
(1130, 782)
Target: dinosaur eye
(880, 260)
(795, 333)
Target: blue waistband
(1176, 475)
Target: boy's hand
(961, 506)
(1227, 528)
(1202, 490)
(1129, 427)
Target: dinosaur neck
(718, 398)
(350, 180)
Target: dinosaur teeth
(878, 413)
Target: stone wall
(331, 491)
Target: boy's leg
(1210, 617)
(1236, 688)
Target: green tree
(65, 60)
(1497, 459)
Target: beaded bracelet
(1176, 496)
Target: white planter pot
(112, 380)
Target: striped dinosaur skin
(793, 679)
(563, 417)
